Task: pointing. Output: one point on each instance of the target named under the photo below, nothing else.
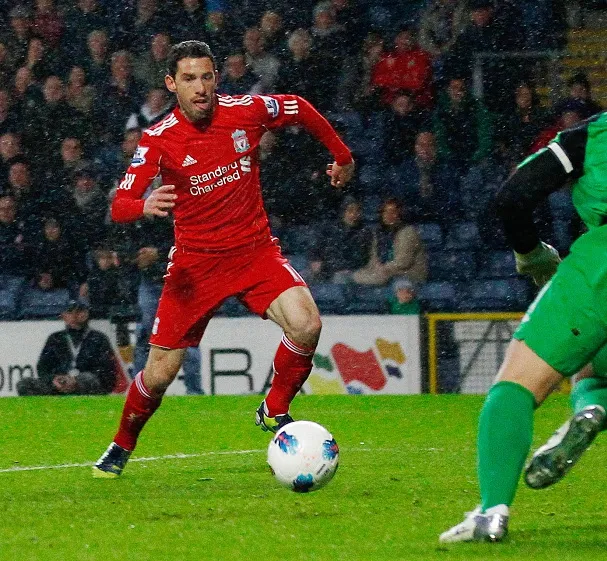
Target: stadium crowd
(81, 80)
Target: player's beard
(196, 115)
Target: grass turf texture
(407, 472)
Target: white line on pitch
(153, 459)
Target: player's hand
(146, 256)
(540, 263)
(340, 175)
(64, 383)
(160, 201)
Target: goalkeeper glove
(540, 263)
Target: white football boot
(490, 526)
(564, 448)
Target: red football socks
(138, 408)
(292, 366)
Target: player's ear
(169, 82)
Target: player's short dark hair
(188, 49)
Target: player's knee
(161, 369)
(305, 327)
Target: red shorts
(196, 284)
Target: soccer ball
(303, 456)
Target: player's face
(194, 83)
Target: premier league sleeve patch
(139, 156)
(271, 106)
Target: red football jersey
(215, 169)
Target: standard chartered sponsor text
(198, 186)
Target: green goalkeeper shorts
(566, 324)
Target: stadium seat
(451, 265)
(11, 288)
(299, 239)
(463, 235)
(497, 264)
(299, 262)
(38, 303)
(437, 296)
(367, 299)
(329, 297)
(431, 234)
(561, 205)
(496, 294)
(371, 176)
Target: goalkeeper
(563, 332)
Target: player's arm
(128, 204)
(291, 110)
(543, 173)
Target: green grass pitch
(407, 472)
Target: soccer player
(206, 153)
(563, 332)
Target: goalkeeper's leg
(504, 438)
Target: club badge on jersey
(241, 142)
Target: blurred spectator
(96, 61)
(263, 64)
(121, 97)
(490, 30)
(579, 98)
(52, 121)
(31, 200)
(17, 37)
(517, 130)
(25, 94)
(296, 195)
(15, 256)
(407, 67)
(151, 66)
(462, 124)
(149, 21)
(440, 25)
(301, 72)
(404, 122)
(355, 90)
(80, 20)
(40, 61)
(237, 79)
(112, 160)
(91, 205)
(58, 262)
(10, 150)
(189, 21)
(9, 119)
(570, 115)
(328, 37)
(397, 250)
(222, 34)
(71, 156)
(48, 23)
(105, 287)
(79, 94)
(403, 299)
(144, 247)
(428, 184)
(157, 105)
(350, 17)
(74, 361)
(272, 30)
(344, 245)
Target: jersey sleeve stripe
(562, 156)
